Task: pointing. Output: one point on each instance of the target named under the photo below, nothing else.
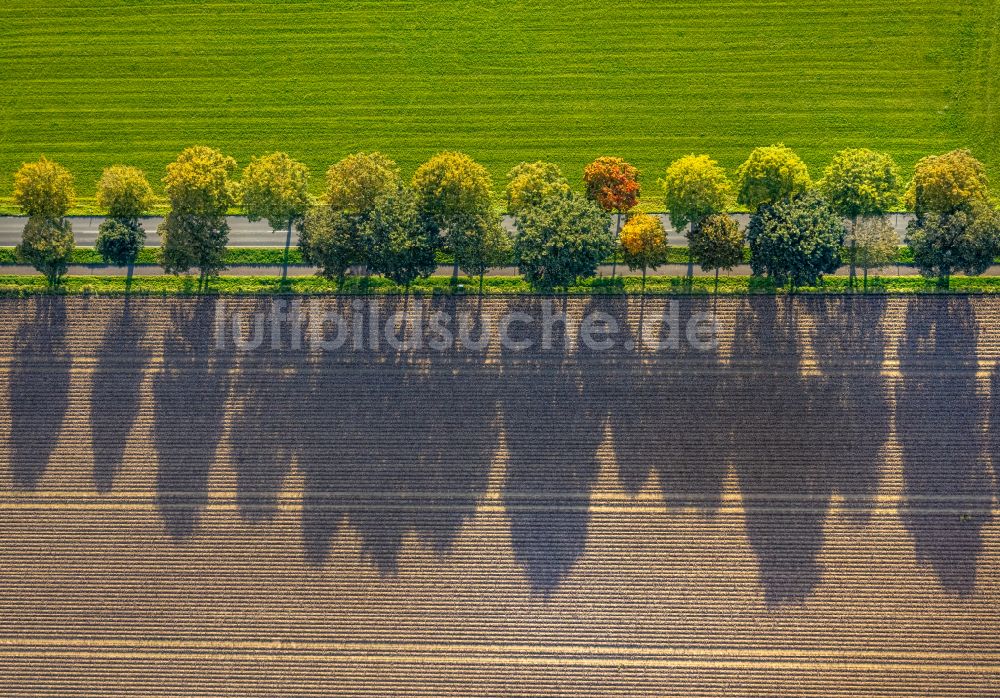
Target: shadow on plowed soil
(395, 441)
(114, 399)
(189, 394)
(800, 436)
(938, 418)
(39, 389)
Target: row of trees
(370, 220)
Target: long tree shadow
(114, 397)
(39, 390)
(329, 437)
(410, 433)
(667, 404)
(271, 399)
(189, 392)
(784, 487)
(994, 429)
(553, 427)
(938, 423)
(850, 411)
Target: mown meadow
(92, 82)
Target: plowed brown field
(808, 509)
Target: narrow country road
(244, 233)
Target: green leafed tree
(717, 244)
(47, 245)
(796, 242)
(356, 183)
(530, 183)
(195, 233)
(124, 193)
(561, 240)
(875, 244)
(329, 239)
(189, 241)
(44, 189)
(486, 245)
(453, 192)
(769, 176)
(402, 244)
(276, 188)
(860, 183)
(946, 183)
(963, 240)
(199, 182)
(119, 241)
(695, 187)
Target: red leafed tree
(614, 185)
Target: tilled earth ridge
(808, 508)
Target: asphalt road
(244, 233)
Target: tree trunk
(854, 251)
(284, 262)
(642, 312)
(618, 230)
(128, 275)
(644, 281)
(454, 273)
(716, 282)
(690, 279)
(481, 275)
(866, 280)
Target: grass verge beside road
(12, 285)
(272, 256)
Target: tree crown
(44, 189)
(695, 186)
(561, 240)
(198, 182)
(47, 245)
(119, 241)
(124, 192)
(330, 240)
(530, 183)
(718, 243)
(402, 246)
(861, 182)
(357, 182)
(485, 245)
(644, 242)
(612, 183)
(875, 242)
(451, 185)
(770, 175)
(275, 187)
(966, 240)
(796, 241)
(947, 183)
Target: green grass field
(94, 82)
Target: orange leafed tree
(614, 185)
